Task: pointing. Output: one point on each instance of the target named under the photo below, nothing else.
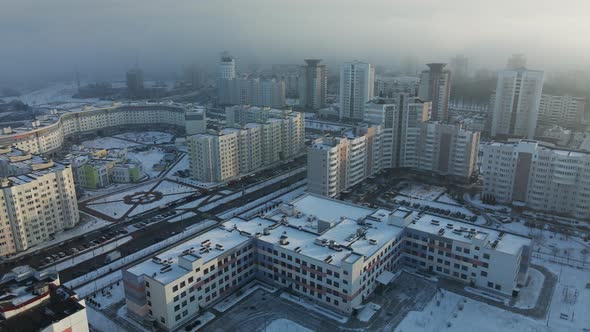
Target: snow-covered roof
(465, 232)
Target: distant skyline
(45, 39)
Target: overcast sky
(104, 37)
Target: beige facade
(262, 137)
(60, 125)
(38, 200)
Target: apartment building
(196, 121)
(410, 140)
(566, 111)
(313, 84)
(335, 164)
(35, 301)
(516, 105)
(389, 86)
(538, 176)
(49, 134)
(435, 86)
(261, 138)
(357, 81)
(329, 252)
(38, 200)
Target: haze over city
(294, 166)
(45, 39)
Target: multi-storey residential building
(435, 86)
(516, 106)
(196, 121)
(262, 137)
(537, 175)
(52, 132)
(357, 81)
(460, 66)
(313, 84)
(35, 301)
(337, 163)
(329, 252)
(566, 111)
(388, 87)
(290, 75)
(134, 81)
(447, 149)
(38, 200)
(409, 140)
(227, 66)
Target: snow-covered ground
(100, 322)
(315, 308)
(172, 191)
(528, 295)
(54, 93)
(236, 297)
(283, 325)
(422, 191)
(148, 137)
(445, 198)
(148, 159)
(450, 312)
(107, 143)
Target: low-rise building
(329, 252)
(35, 301)
(38, 198)
(98, 169)
(538, 176)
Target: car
(62, 254)
(123, 231)
(55, 256)
(48, 259)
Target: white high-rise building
(357, 81)
(196, 121)
(313, 85)
(537, 175)
(39, 200)
(337, 163)
(388, 87)
(227, 67)
(435, 86)
(516, 107)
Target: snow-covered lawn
(107, 143)
(149, 137)
(445, 198)
(422, 191)
(171, 192)
(528, 296)
(450, 312)
(283, 325)
(148, 159)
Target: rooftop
(20, 167)
(458, 231)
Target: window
(486, 256)
(175, 288)
(490, 284)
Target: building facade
(565, 111)
(262, 137)
(388, 87)
(329, 252)
(357, 81)
(38, 199)
(538, 176)
(196, 121)
(335, 164)
(435, 86)
(56, 128)
(516, 106)
(313, 85)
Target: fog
(102, 38)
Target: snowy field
(450, 312)
(422, 191)
(172, 191)
(528, 296)
(55, 93)
(100, 322)
(148, 137)
(148, 159)
(107, 143)
(445, 198)
(283, 325)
